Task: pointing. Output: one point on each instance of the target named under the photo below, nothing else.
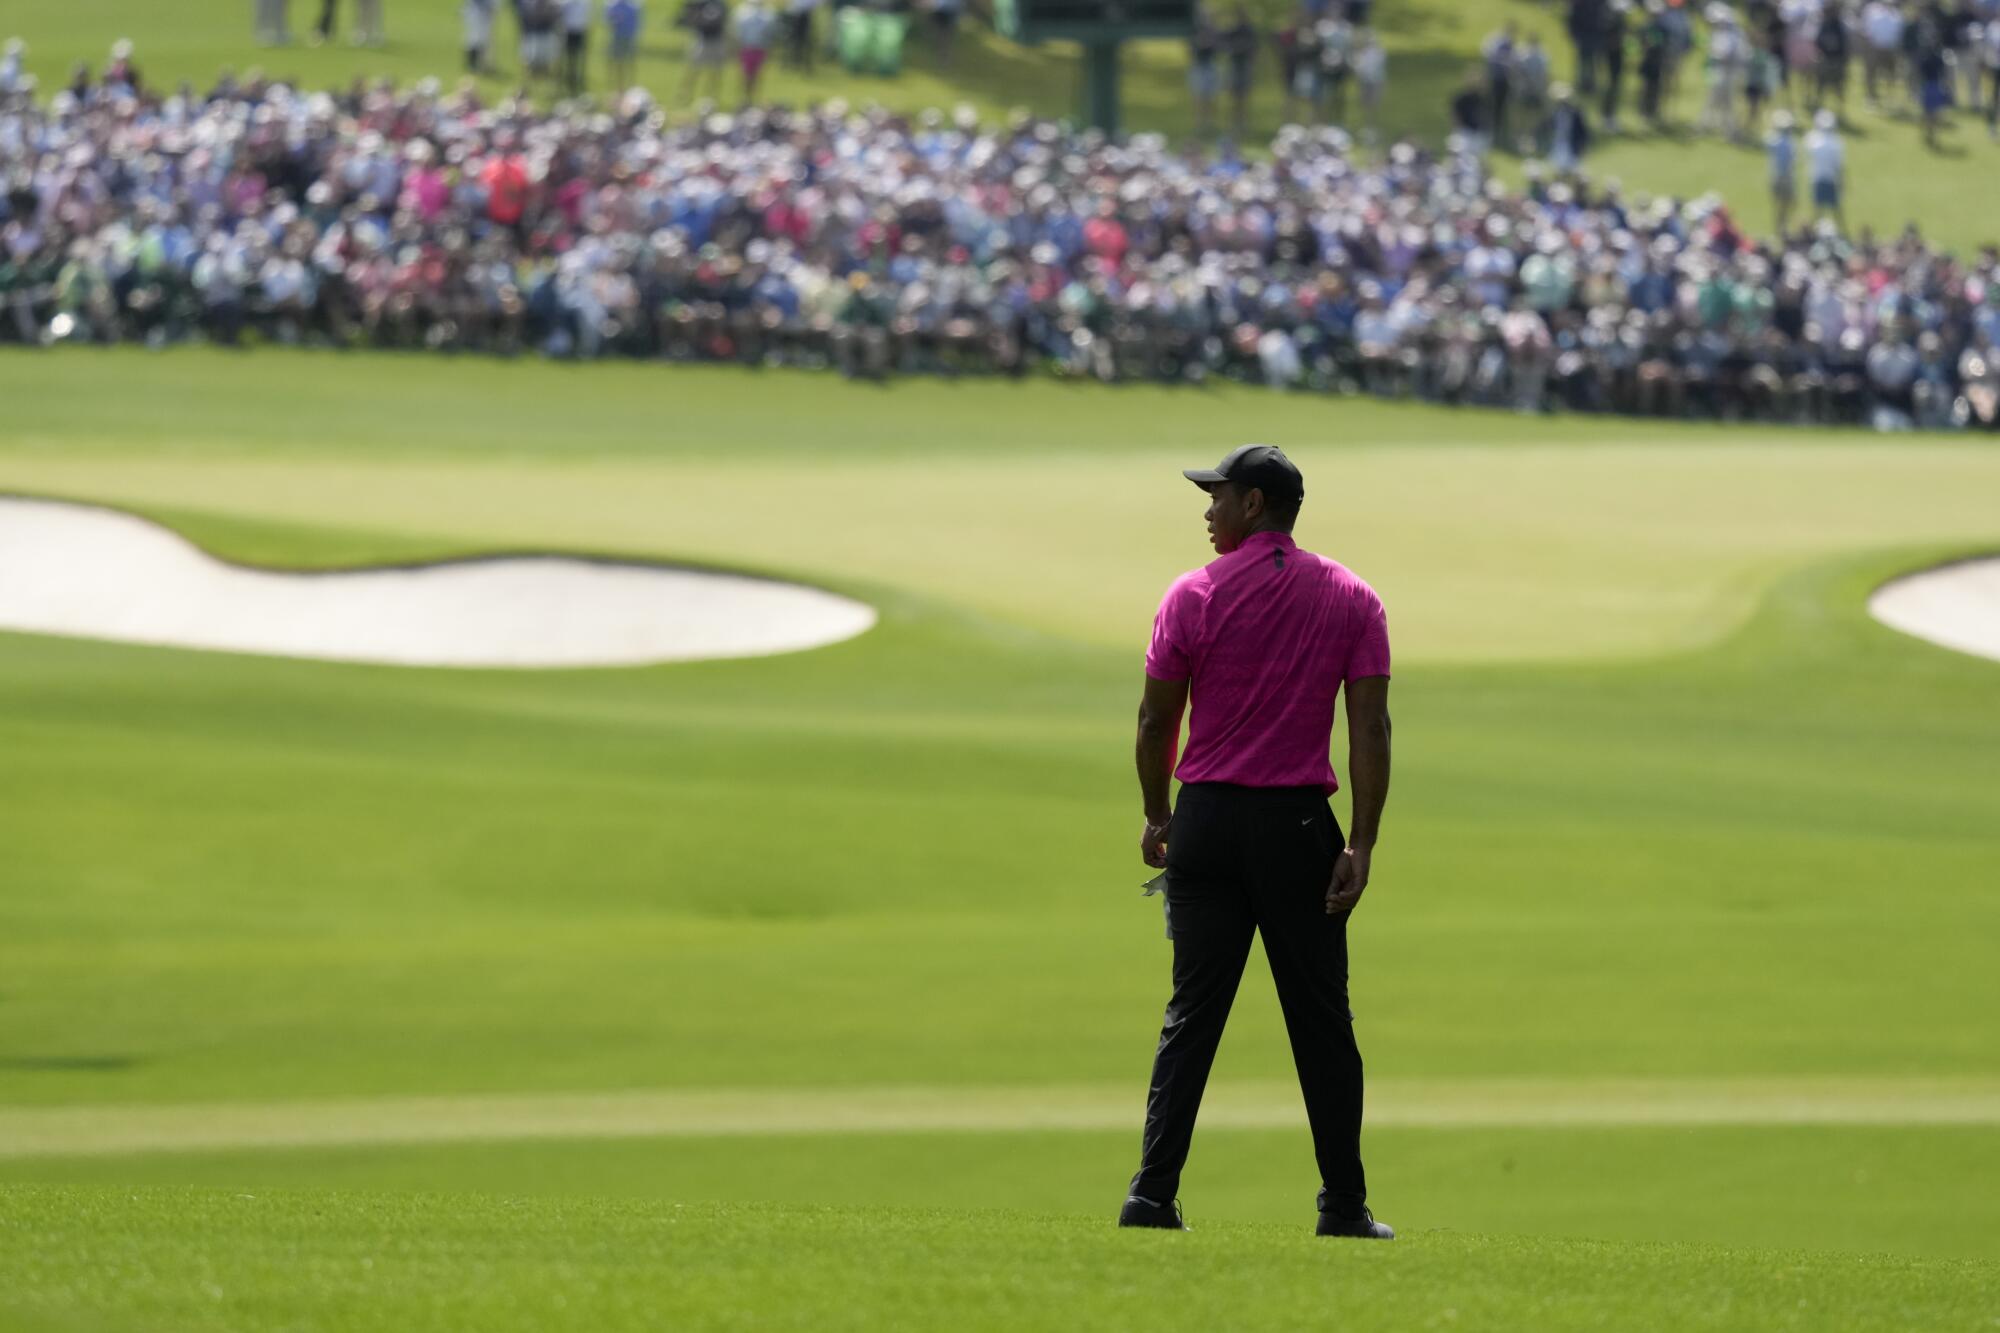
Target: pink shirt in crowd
(1265, 635)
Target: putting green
(1059, 508)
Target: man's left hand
(1350, 877)
(1153, 843)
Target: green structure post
(1100, 84)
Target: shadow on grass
(69, 1064)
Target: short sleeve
(1173, 624)
(1370, 653)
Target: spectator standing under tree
(754, 24)
(1239, 45)
(1498, 53)
(323, 30)
(1826, 164)
(476, 18)
(576, 44)
(621, 21)
(707, 22)
(1204, 79)
(1782, 152)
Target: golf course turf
(1680, 933)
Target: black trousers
(1241, 861)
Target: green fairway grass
(329, 1260)
(1893, 178)
(1680, 928)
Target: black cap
(1263, 466)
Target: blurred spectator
(1727, 60)
(1529, 87)
(1371, 78)
(476, 21)
(1611, 48)
(1586, 35)
(1762, 74)
(1239, 45)
(1204, 78)
(621, 22)
(707, 22)
(368, 30)
(1882, 47)
(576, 45)
(1654, 40)
(121, 75)
(1989, 54)
(1833, 42)
(754, 25)
(11, 56)
(272, 22)
(1336, 67)
(1826, 164)
(1782, 153)
(1498, 52)
(540, 21)
(323, 30)
(1568, 131)
(944, 29)
(1471, 107)
(798, 34)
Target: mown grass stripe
(100, 1129)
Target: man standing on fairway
(1260, 640)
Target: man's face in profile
(1232, 511)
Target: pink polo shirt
(1265, 635)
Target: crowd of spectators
(427, 219)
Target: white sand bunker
(96, 573)
(1956, 605)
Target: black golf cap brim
(1203, 477)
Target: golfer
(1260, 640)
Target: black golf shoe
(1139, 1212)
(1365, 1226)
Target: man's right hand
(1153, 842)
